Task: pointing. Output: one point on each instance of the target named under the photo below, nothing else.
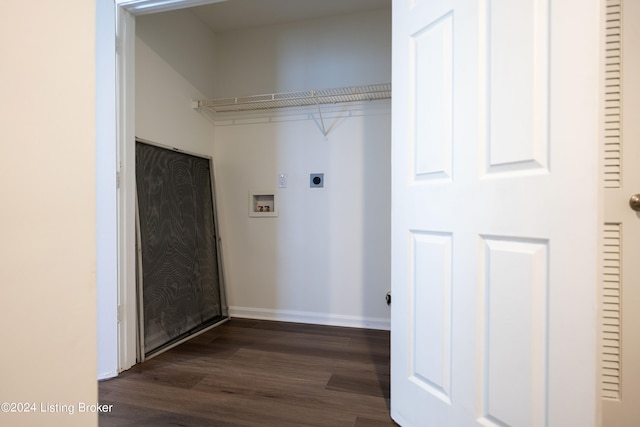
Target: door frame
(121, 58)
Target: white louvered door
(620, 350)
(495, 213)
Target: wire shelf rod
(297, 98)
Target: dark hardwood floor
(258, 373)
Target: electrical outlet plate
(282, 180)
(316, 180)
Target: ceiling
(241, 14)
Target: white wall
(48, 215)
(163, 105)
(345, 50)
(185, 43)
(326, 257)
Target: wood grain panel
(258, 373)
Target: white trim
(311, 318)
(124, 63)
(125, 93)
(146, 7)
(106, 194)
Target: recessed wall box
(263, 203)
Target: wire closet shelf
(297, 99)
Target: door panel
(515, 55)
(431, 318)
(490, 238)
(514, 331)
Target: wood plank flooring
(258, 373)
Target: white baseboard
(107, 375)
(311, 318)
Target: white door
(620, 349)
(495, 213)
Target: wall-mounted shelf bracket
(324, 129)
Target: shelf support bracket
(324, 129)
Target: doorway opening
(278, 266)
